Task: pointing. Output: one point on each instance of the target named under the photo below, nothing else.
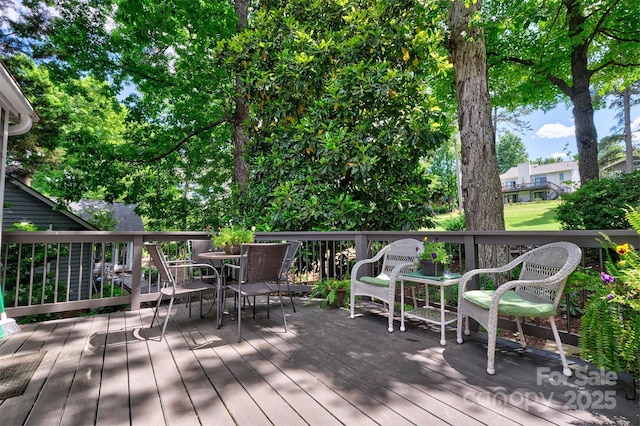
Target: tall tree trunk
(481, 187)
(626, 111)
(580, 95)
(241, 113)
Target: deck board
(327, 370)
(66, 355)
(84, 393)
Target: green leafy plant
(434, 251)
(600, 203)
(455, 223)
(232, 236)
(333, 292)
(610, 327)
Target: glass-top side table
(431, 314)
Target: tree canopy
(344, 103)
(302, 114)
(541, 52)
(341, 113)
(511, 151)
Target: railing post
(136, 272)
(470, 252)
(362, 252)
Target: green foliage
(583, 279)
(345, 101)
(168, 150)
(542, 52)
(511, 151)
(24, 226)
(333, 292)
(600, 333)
(600, 203)
(41, 288)
(232, 236)
(610, 327)
(455, 223)
(441, 167)
(102, 218)
(435, 251)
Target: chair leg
(565, 366)
(284, 317)
(523, 341)
(239, 317)
(491, 352)
(293, 305)
(352, 303)
(459, 325)
(220, 305)
(391, 307)
(254, 307)
(166, 320)
(155, 313)
(492, 334)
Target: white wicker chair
(536, 293)
(399, 257)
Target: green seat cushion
(381, 280)
(511, 304)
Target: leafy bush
(457, 223)
(600, 203)
(331, 291)
(610, 327)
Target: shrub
(457, 223)
(610, 327)
(600, 203)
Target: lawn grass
(534, 216)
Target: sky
(552, 133)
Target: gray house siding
(23, 204)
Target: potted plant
(333, 291)
(231, 238)
(434, 257)
(610, 326)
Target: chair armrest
(466, 277)
(177, 262)
(230, 265)
(399, 269)
(360, 263)
(192, 265)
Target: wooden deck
(328, 369)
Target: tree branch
(560, 84)
(179, 144)
(614, 63)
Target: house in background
(124, 215)
(125, 219)
(619, 167)
(23, 204)
(531, 182)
